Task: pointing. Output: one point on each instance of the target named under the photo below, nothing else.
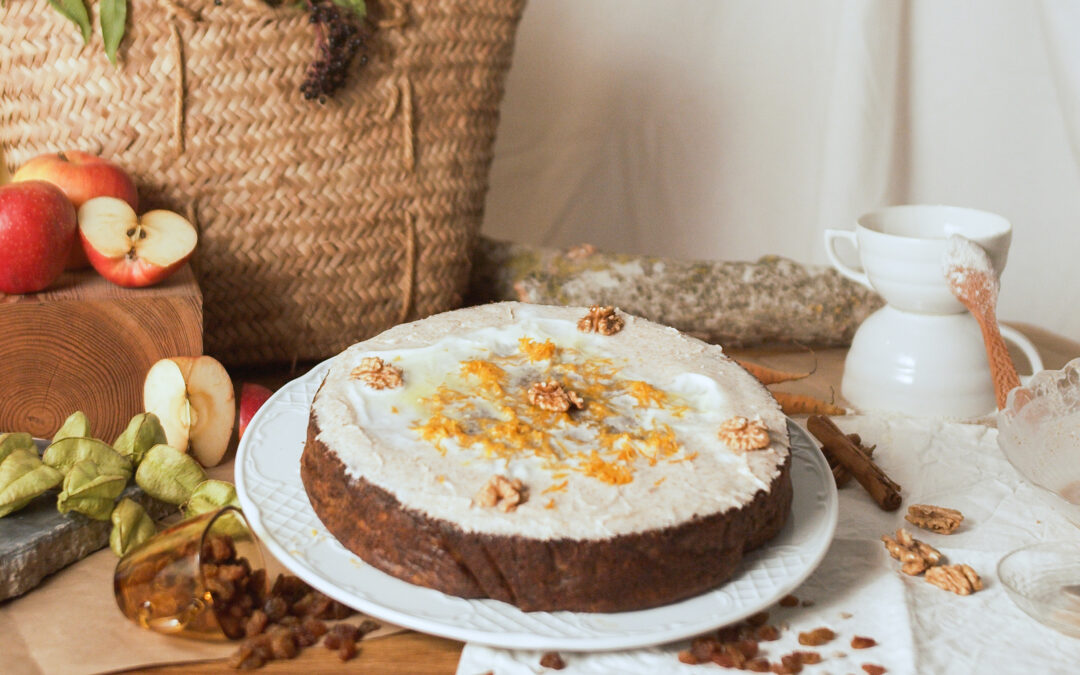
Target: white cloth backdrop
(728, 129)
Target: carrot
(767, 375)
(801, 404)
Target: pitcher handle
(1025, 345)
(830, 250)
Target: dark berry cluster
(339, 37)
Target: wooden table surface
(412, 653)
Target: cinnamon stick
(840, 474)
(880, 487)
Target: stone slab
(38, 540)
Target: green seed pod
(210, 495)
(131, 526)
(75, 426)
(168, 474)
(23, 476)
(67, 452)
(143, 432)
(89, 492)
(15, 441)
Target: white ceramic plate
(274, 501)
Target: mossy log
(738, 304)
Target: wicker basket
(320, 224)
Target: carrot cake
(555, 458)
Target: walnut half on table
(959, 579)
(916, 555)
(934, 518)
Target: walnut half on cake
(634, 497)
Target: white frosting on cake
(385, 437)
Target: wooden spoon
(971, 278)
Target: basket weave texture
(320, 224)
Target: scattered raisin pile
(292, 616)
(275, 624)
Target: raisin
(808, 658)
(283, 645)
(728, 656)
(218, 548)
(232, 573)
(314, 626)
(347, 650)
(686, 656)
(552, 660)
(311, 604)
(256, 623)
(748, 648)
(767, 633)
(275, 608)
(289, 588)
(702, 648)
(816, 637)
(368, 626)
(303, 636)
(336, 611)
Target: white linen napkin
(859, 590)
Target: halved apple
(134, 251)
(193, 398)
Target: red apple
(81, 176)
(252, 396)
(132, 251)
(37, 227)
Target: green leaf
(113, 17)
(75, 11)
(359, 7)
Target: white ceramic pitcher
(923, 353)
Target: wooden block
(86, 344)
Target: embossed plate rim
(592, 632)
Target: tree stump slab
(86, 344)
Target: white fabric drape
(731, 129)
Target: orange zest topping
(646, 394)
(550, 504)
(556, 487)
(608, 472)
(490, 375)
(483, 409)
(537, 351)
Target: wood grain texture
(86, 344)
(405, 654)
